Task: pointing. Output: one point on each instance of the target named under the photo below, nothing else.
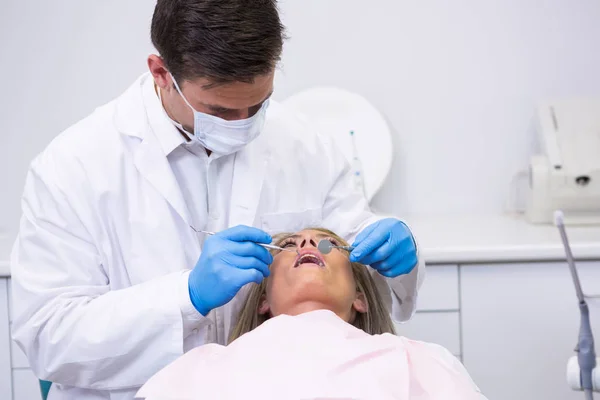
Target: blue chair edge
(45, 388)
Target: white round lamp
(357, 128)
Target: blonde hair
(375, 321)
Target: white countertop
(470, 240)
(475, 239)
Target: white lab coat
(101, 261)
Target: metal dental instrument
(586, 356)
(268, 246)
(325, 247)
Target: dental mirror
(325, 247)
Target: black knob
(583, 180)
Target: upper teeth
(312, 258)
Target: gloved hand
(387, 246)
(230, 259)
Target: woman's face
(311, 280)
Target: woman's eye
(333, 241)
(289, 244)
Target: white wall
(60, 60)
(457, 80)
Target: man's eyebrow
(218, 108)
(214, 107)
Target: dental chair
(45, 388)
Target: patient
(316, 328)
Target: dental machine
(583, 373)
(566, 176)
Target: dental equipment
(586, 356)
(359, 183)
(325, 247)
(267, 246)
(566, 175)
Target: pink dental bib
(314, 356)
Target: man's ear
(360, 303)
(263, 306)
(157, 67)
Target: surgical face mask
(221, 136)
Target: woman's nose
(308, 242)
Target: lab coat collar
(136, 114)
(133, 118)
(166, 133)
(130, 115)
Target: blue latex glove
(230, 259)
(387, 246)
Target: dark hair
(222, 40)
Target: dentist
(110, 280)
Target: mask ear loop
(181, 93)
(159, 90)
(177, 124)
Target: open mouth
(309, 257)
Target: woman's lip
(314, 253)
(309, 265)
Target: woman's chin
(311, 282)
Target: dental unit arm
(582, 373)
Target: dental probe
(268, 246)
